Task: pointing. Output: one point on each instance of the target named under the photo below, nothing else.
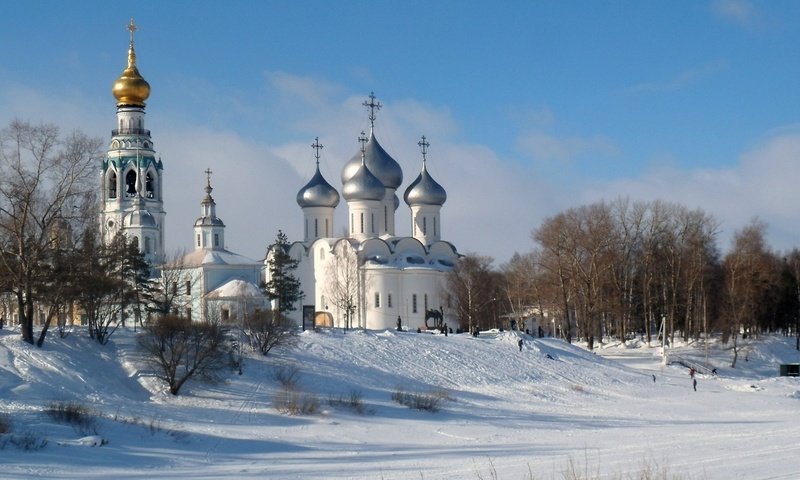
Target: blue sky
(530, 107)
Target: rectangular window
(306, 229)
(377, 300)
(198, 239)
(424, 225)
(414, 303)
(316, 228)
(362, 222)
(216, 239)
(389, 300)
(226, 314)
(352, 224)
(385, 218)
(434, 226)
(188, 287)
(327, 234)
(372, 222)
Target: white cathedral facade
(369, 278)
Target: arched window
(112, 185)
(130, 183)
(135, 242)
(147, 247)
(149, 185)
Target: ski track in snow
(510, 411)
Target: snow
(509, 414)
(236, 288)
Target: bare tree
(793, 264)
(521, 278)
(166, 294)
(748, 275)
(46, 183)
(109, 280)
(181, 349)
(472, 290)
(269, 329)
(344, 282)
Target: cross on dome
(363, 140)
(373, 107)
(132, 28)
(317, 147)
(208, 188)
(424, 146)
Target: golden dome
(131, 88)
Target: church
(368, 278)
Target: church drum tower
(131, 177)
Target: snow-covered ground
(511, 414)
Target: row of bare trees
(627, 268)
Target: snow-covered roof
(236, 288)
(202, 257)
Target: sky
(530, 108)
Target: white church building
(369, 278)
(372, 278)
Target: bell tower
(131, 176)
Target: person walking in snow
(694, 384)
(691, 372)
(520, 344)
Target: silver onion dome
(380, 163)
(213, 221)
(318, 193)
(140, 219)
(363, 185)
(425, 190)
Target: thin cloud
(682, 79)
(739, 12)
(313, 91)
(762, 184)
(546, 147)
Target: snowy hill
(504, 413)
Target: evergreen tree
(282, 285)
